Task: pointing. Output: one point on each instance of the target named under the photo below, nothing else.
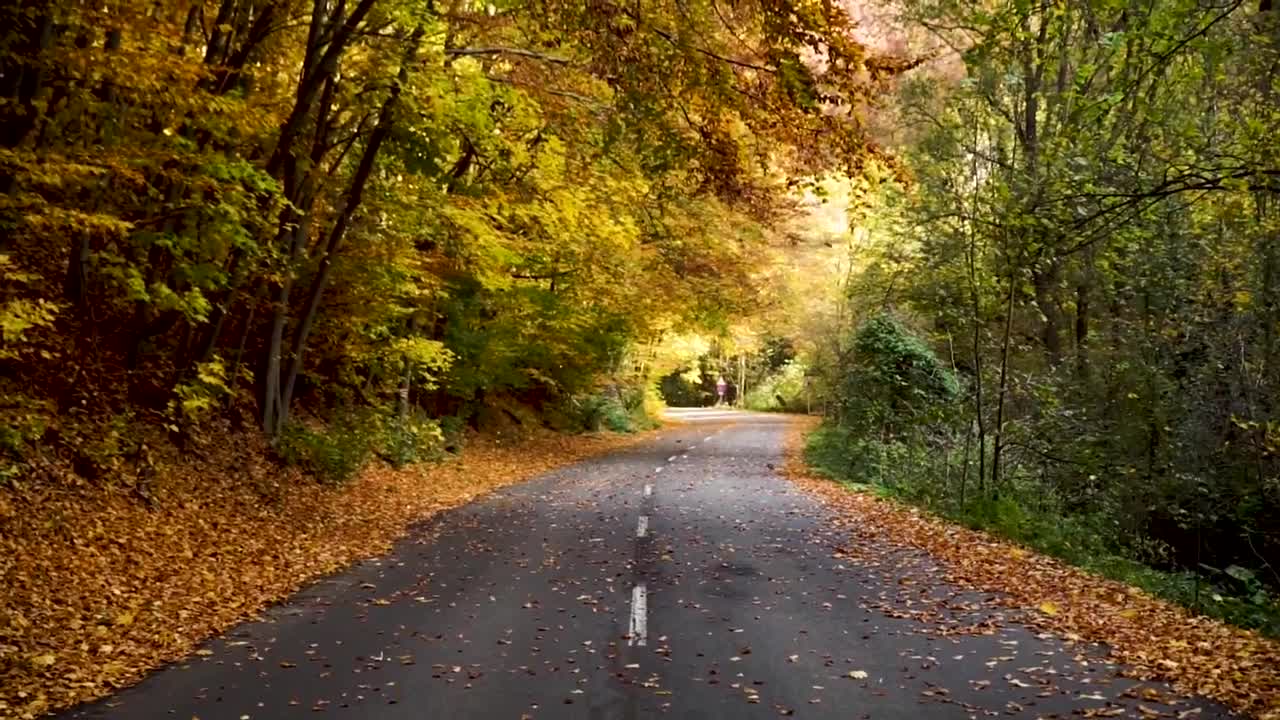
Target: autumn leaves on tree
(240, 204)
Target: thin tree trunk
(76, 286)
(234, 371)
(406, 385)
(315, 73)
(998, 446)
(355, 195)
(1045, 282)
(742, 381)
(272, 416)
(1082, 330)
(977, 361)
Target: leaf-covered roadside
(1153, 638)
(101, 586)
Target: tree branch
(518, 52)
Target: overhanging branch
(518, 52)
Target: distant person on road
(721, 387)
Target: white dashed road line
(648, 490)
(642, 527)
(639, 620)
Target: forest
(255, 254)
(1062, 326)
(240, 211)
(1022, 256)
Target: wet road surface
(681, 578)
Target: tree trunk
(998, 446)
(1046, 286)
(406, 385)
(75, 288)
(977, 360)
(272, 416)
(355, 195)
(316, 70)
(233, 372)
(1082, 329)
(22, 71)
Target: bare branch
(518, 52)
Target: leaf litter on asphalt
(1154, 639)
(100, 588)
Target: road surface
(681, 578)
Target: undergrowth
(620, 410)
(336, 451)
(913, 474)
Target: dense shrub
(937, 477)
(687, 387)
(336, 452)
(618, 409)
(891, 382)
(412, 439)
(784, 390)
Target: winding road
(680, 578)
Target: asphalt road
(682, 578)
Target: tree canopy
(1087, 232)
(236, 205)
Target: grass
(1081, 540)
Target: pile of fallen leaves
(1156, 640)
(102, 583)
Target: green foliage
(1094, 541)
(783, 390)
(600, 412)
(1088, 234)
(19, 316)
(453, 433)
(23, 421)
(620, 410)
(412, 439)
(197, 398)
(892, 382)
(336, 452)
(105, 448)
(687, 387)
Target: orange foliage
(100, 587)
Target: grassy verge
(1080, 540)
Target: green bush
(1024, 513)
(782, 391)
(892, 382)
(335, 453)
(687, 387)
(620, 410)
(598, 412)
(453, 431)
(415, 438)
